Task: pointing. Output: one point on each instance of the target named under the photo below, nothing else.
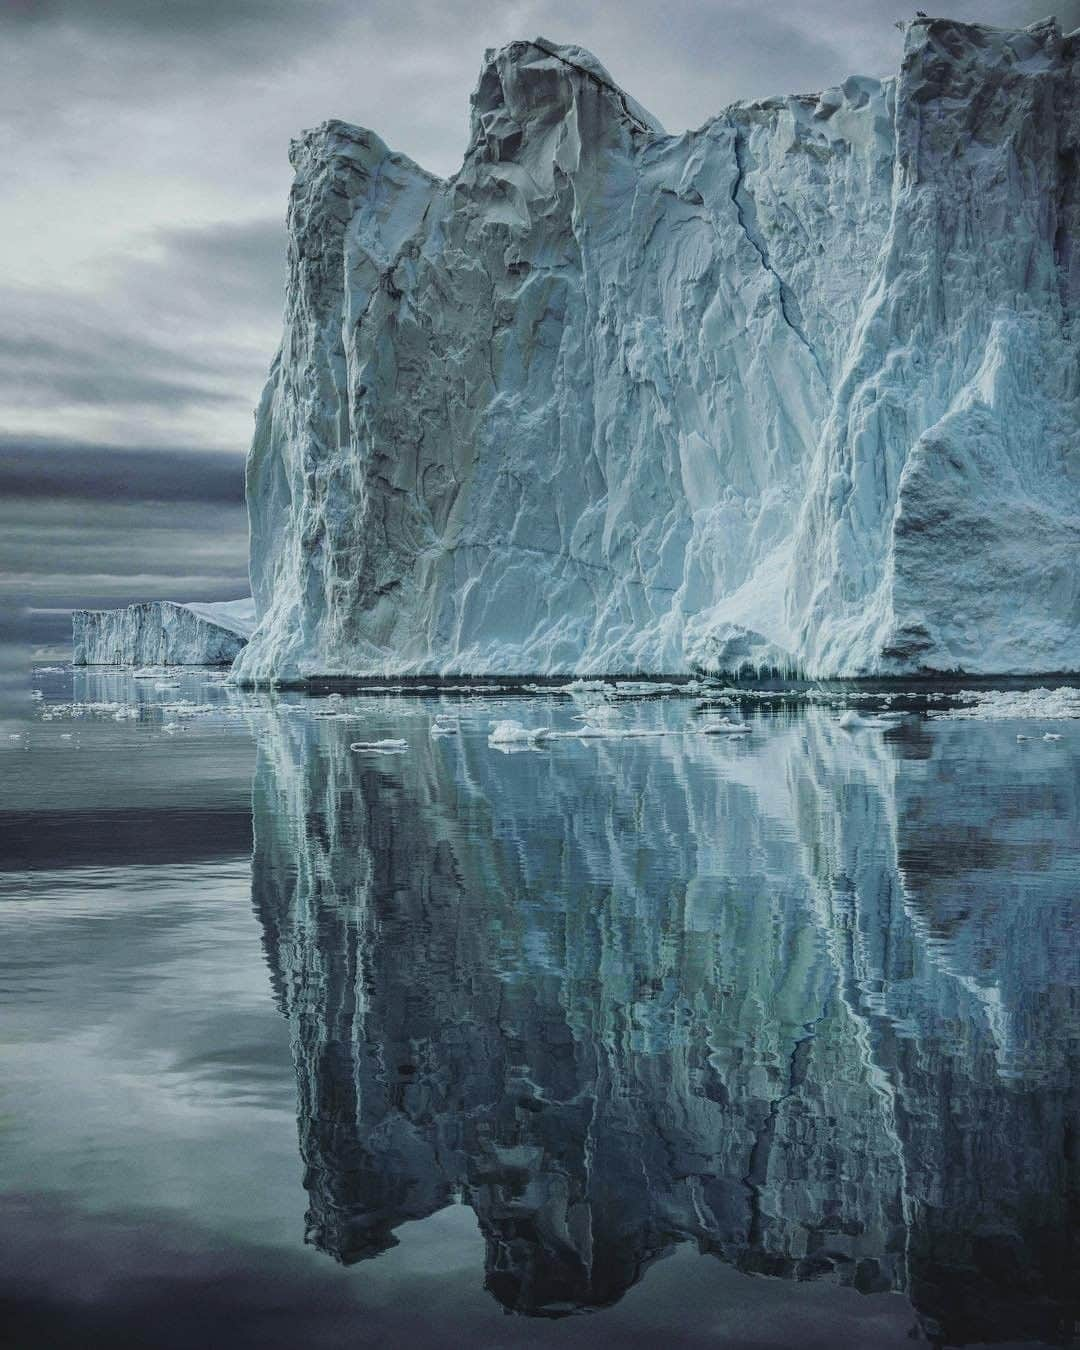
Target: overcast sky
(145, 180)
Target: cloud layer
(145, 144)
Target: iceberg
(797, 390)
(162, 633)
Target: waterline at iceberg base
(799, 389)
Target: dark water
(743, 1042)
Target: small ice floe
(390, 746)
(170, 727)
(853, 721)
(509, 732)
(725, 727)
(14, 735)
(167, 684)
(644, 688)
(36, 695)
(445, 724)
(48, 670)
(1051, 736)
(589, 731)
(125, 714)
(1021, 737)
(574, 687)
(66, 735)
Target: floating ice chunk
(724, 727)
(167, 684)
(1051, 736)
(509, 732)
(853, 721)
(644, 688)
(590, 731)
(445, 724)
(390, 746)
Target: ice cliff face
(799, 388)
(162, 632)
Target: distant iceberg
(163, 633)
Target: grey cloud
(50, 470)
(191, 324)
(218, 30)
(232, 266)
(97, 374)
(64, 553)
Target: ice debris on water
(1006, 705)
(389, 746)
(590, 731)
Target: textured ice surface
(162, 632)
(798, 389)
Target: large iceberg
(162, 632)
(799, 389)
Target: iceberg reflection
(809, 1001)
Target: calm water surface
(743, 1042)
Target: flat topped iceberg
(797, 390)
(163, 633)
